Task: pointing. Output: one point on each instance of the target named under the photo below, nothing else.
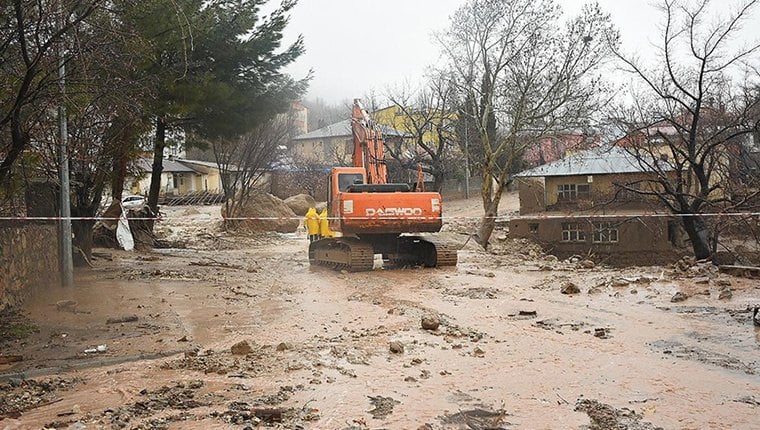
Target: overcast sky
(356, 46)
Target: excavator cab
(360, 208)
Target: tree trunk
(19, 141)
(158, 164)
(699, 235)
(83, 240)
(125, 141)
(486, 226)
(491, 200)
(438, 182)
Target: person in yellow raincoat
(324, 225)
(311, 222)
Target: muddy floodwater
(239, 332)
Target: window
(605, 232)
(533, 228)
(629, 192)
(573, 232)
(345, 180)
(584, 191)
(567, 192)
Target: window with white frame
(605, 232)
(568, 192)
(573, 232)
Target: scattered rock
(723, 283)
(527, 313)
(679, 297)
(383, 406)
(66, 305)
(121, 319)
(620, 282)
(396, 347)
(602, 332)
(268, 415)
(605, 417)
(569, 288)
(477, 272)
(702, 280)
(725, 294)
(477, 419)
(430, 322)
(241, 348)
(586, 264)
(284, 346)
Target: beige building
(580, 205)
(331, 145)
(179, 177)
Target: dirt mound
(300, 203)
(263, 212)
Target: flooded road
(511, 350)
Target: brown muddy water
(511, 351)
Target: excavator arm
(369, 146)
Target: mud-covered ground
(239, 332)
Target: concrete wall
(532, 194)
(640, 240)
(28, 260)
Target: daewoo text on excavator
(376, 217)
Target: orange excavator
(377, 217)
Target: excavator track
(423, 251)
(345, 253)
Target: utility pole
(466, 161)
(67, 261)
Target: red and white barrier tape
(445, 218)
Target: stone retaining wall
(28, 260)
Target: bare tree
(691, 125)
(30, 33)
(521, 74)
(428, 116)
(243, 161)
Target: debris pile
(606, 417)
(300, 203)
(18, 396)
(263, 212)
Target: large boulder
(300, 203)
(265, 212)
